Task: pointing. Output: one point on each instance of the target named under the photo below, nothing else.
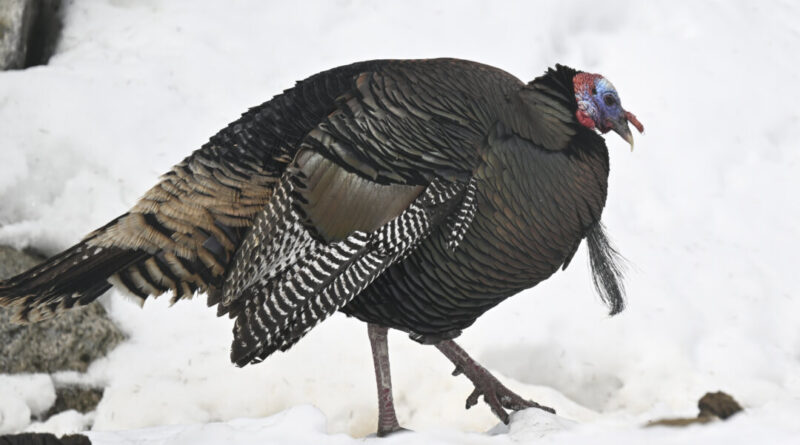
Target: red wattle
(585, 119)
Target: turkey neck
(542, 183)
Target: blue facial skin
(608, 105)
(603, 106)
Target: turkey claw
(499, 398)
(472, 400)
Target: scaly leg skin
(387, 419)
(494, 393)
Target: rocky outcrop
(68, 342)
(44, 439)
(29, 31)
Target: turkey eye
(609, 100)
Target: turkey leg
(494, 393)
(387, 419)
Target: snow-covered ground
(705, 210)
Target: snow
(21, 396)
(704, 210)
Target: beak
(621, 127)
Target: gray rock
(70, 341)
(16, 22)
(29, 31)
(80, 398)
(44, 438)
(13, 261)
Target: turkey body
(535, 200)
(533, 209)
(410, 194)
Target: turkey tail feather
(74, 277)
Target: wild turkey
(410, 194)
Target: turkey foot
(495, 394)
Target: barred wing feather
(286, 278)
